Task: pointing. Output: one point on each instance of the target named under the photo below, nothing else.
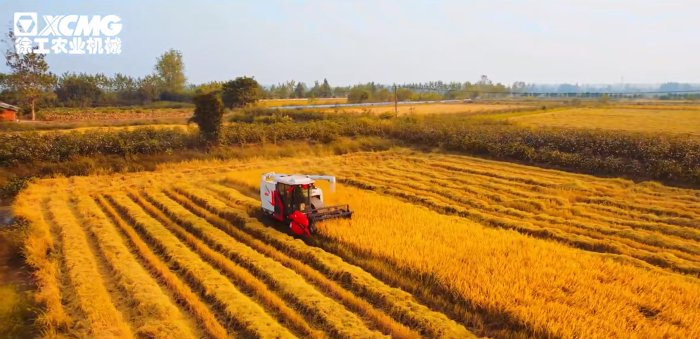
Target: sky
(348, 42)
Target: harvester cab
(296, 200)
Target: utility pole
(396, 103)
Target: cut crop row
(101, 317)
(40, 254)
(246, 315)
(330, 288)
(239, 274)
(396, 302)
(180, 289)
(157, 316)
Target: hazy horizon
(536, 41)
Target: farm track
(185, 254)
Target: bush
(387, 115)
(13, 186)
(208, 115)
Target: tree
(210, 87)
(325, 91)
(208, 115)
(316, 90)
(341, 91)
(358, 95)
(484, 81)
(240, 92)
(518, 87)
(78, 90)
(403, 94)
(125, 88)
(148, 88)
(29, 75)
(383, 95)
(170, 70)
(300, 90)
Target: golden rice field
(437, 108)
(440, 246)
(660, 119)
(300, 102)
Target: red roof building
(8, 112)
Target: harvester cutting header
(296, 199)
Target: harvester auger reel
(295, 199)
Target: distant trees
(403, 94)
(675, 87)
(341, 92)
(518, 87)
(29, 76)
(170, 69)
(383, 95)
(325, 90)
(148, 89)
(300, 90)
(209, 87)
(79, 90)
(568, 88)
(240, 92)
(314, 91)
(358, 95)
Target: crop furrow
(247, 316)
(40, 252)
(183, 292)
(287, 282)
(239, 274)
(101, 316)
(489, 184)
(396, 302)
(157, 316)
(329, 287)
(620, 213)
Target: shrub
(208, 115)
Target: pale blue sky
(543, 41)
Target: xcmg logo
(31, 37)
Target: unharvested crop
(669, 119)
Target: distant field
(431, 108)
(85, 129)
(114, 113)
(300, 102)
(646, 120)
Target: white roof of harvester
(294, 179)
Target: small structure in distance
(8, 112)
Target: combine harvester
(296, 199)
